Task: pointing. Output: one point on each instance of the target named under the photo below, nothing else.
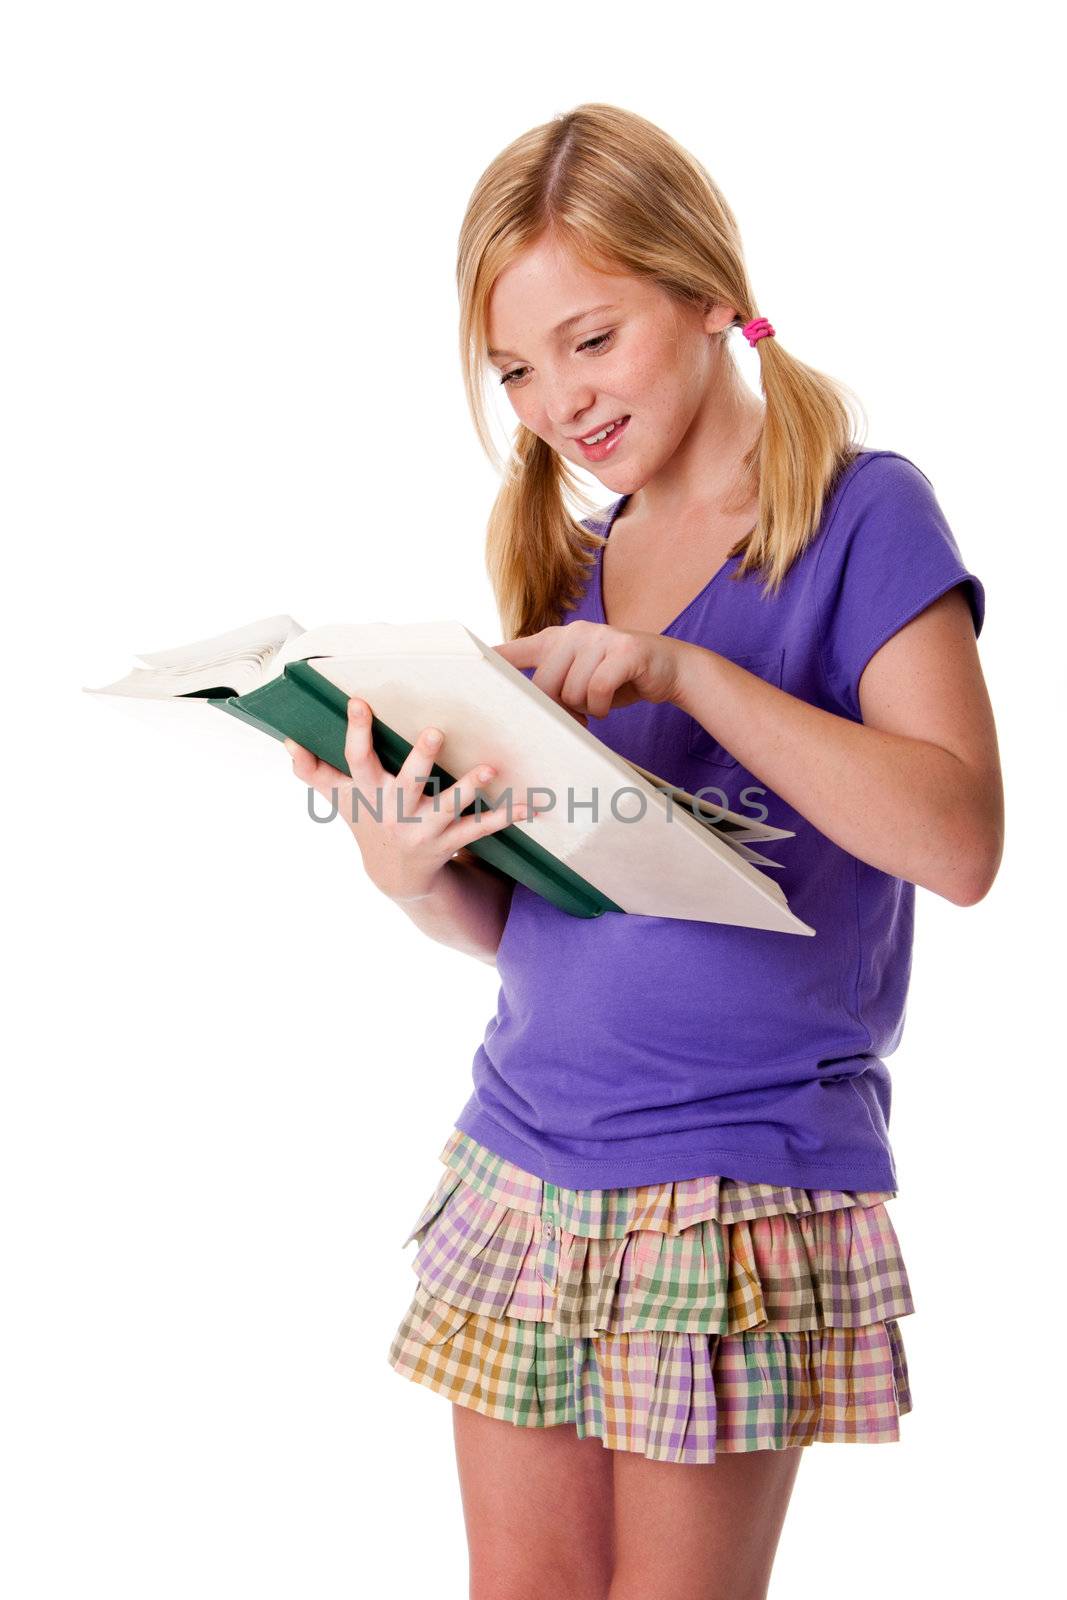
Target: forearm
(904, 805)
(466, 908)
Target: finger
(305, 763)
(335, 787)
(524, 652)
(455, 799)
(569, 653)
(574, 691)
(601, 689)
(318, 775)
(478, 825)
(417, 767)
(360, 757)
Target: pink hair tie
(759, 328)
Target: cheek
(655, 393)
(524, 410)
(651, 377)
(531, 416)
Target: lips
(598, 452)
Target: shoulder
(878, 480)
(886, 554)
(883, 513)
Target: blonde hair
(622, 195)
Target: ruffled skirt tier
(673, 1319)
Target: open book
(614, 837)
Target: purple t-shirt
(631, 1050)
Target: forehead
(546, 284)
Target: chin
(627, 481)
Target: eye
(596, 344)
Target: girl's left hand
(591, 668)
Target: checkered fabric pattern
(674, 1319)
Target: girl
(658, 1262)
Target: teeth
(596, 437)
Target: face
(641, 361)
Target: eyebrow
(564, 327)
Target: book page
(717, 816)
(233, 662)
(615, 828)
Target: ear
(718, 317)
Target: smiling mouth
(604, 433)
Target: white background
(230, 388)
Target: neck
(705, 479)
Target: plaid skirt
(674, 1319)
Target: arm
(466, 908)
(915, 789)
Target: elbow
(977, 870)
(969, 893)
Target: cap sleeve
(888, 554)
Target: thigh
(700, 1532)
(537, 1503)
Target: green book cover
(302, 705)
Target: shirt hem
(665, 1166)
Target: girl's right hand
(401, 857)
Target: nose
(567, 401)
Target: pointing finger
(524, 652)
